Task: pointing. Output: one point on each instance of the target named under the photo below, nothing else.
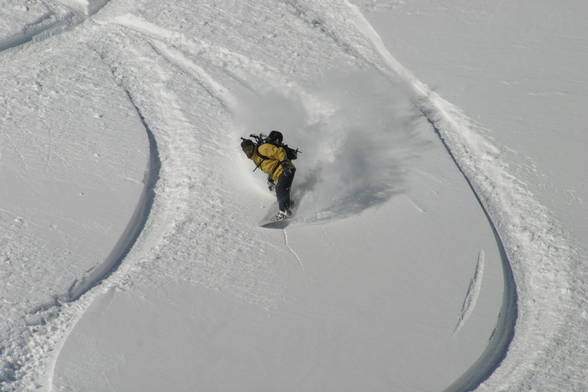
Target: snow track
(135, 226)
(32, 347)
(61, 16)
(37, 28)
(164, 203)
(532, 237)
(472, 294)
(199, 75)
(253, 75)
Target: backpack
(275, 138)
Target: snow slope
(72, 180)
(518, 69)
(410, 219)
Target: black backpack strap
(263, 158)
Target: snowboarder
(271, 156)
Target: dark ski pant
(283, 188)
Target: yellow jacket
(275, 155)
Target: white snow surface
(438, 242)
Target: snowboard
(274, 224)
(270, 222)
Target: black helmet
(275, 137)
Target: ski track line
(65, 16)
(181, 142)
(79, 288)
(414, 204)
(521, 225)
(45, 23)
(35, 348)
(229, 61)
(292, 251)
(237, 66)
(50, 324)
(472, 294)
(476, 157)
(50, 24)
(380, 58)
(136, 223)
(165, 210)
(214, 88)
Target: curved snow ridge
(66, 319)
(49, 24)
(503, 333)
(47, 325)
(366, 46)
(234, 64)
(473, 292)
(251, 74)
(63, 17)
(536, 248)
(135, 225)
(172, 144)
(44, 23)
(33, 348)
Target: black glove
(270, 184)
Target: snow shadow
(356, 132)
